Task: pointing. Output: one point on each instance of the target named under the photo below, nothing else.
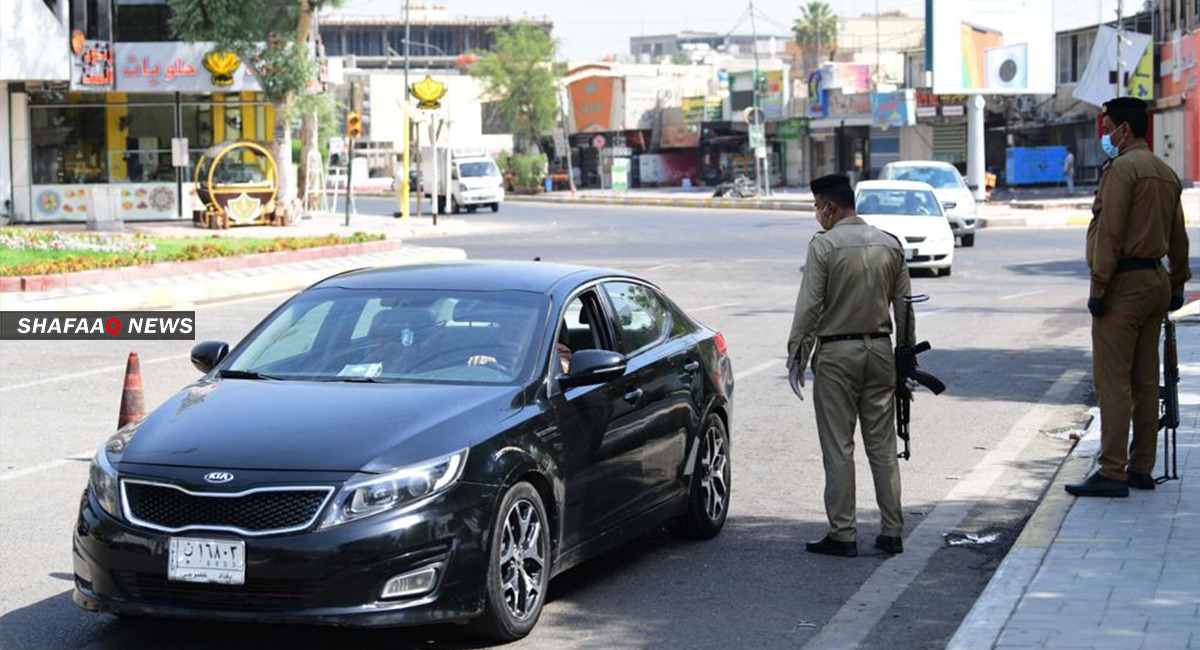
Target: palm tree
(816, 32)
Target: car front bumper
(329, 577)
(962, 224)
(930, 256)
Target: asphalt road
(1010, 338)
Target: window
(142, 21)
(290, 334)
(1074, 50)
(641, 317)
(144, 144)
(68, 144)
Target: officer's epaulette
(892, 236)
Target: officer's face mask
(1110, 149)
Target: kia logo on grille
(218, 477)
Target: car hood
(316, 426)
(901, 226)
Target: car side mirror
(972, 186)
(589, 367)
(206, 355)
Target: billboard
(993, 47)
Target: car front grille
(261, 595)
(262, 511)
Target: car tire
(968, 240)
(454, 206)
(472, 208)
(495, 207)
(708, 497)
(520, 546)
(945, 273)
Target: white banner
(180, 67)
(993, 47)
(1095, 86)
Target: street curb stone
(133, 273)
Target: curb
(982, 626)
(93, 277)
(179, 293)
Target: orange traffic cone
(133, 404)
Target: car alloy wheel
(708, 502)
(712, 478)
(522, 560)
(519, 566)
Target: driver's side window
(580, 328)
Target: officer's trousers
(1125, 369)
(856, 380)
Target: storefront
(1176, 124)
(136, 124)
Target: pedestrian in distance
(855, 276)
(1069, 172)
(1137, 219)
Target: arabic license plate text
(218, 561)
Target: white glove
(796, 379)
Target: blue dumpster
(1034, 165)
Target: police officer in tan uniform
(854, 274)
(1137, 219)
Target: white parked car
(911, 213)
(951, 190)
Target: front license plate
(217, 561)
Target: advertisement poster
(135, 201)
(993, 47)
(894, 109)
(592, 104)
(620, 173)
(667, 169)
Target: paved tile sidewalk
(1117, 573)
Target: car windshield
(897, 202)
(478, 169)
(335, 334)
(939, 178)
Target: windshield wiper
(244, 374)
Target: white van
(475, 180)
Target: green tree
(271, 37)
(520, 76)
(816, 32)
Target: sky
(589, 30)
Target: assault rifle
(1168, 393)
(909, 377)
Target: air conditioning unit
(1007, 67)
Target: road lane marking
(863, 611)
(712, 307)
(758, 370)
(48, 465)
(89, 373)
(1023, 294)
(934, 311)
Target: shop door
(1169, 141)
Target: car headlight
(462, 187)
(102, 482)
(395, 490)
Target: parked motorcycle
(739, 188)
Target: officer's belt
(852, 337)
(1136, 264)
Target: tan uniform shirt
(1137, 214)
(854, 271)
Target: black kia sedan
(413, 445)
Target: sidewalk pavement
(1106, 573)
(164, 287)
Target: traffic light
(354, 125)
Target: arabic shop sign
(91, 64)
(179, 67)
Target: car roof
(893, 185)
(475, 275)
(922, 163)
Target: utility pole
(1120, 41)
(761, 180)
(876, 45)
(406, 154)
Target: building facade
(132, 115)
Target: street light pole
(761, 180)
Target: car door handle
(691, 366)
(633, 395)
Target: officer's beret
(1120, 108)
(830, 182)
